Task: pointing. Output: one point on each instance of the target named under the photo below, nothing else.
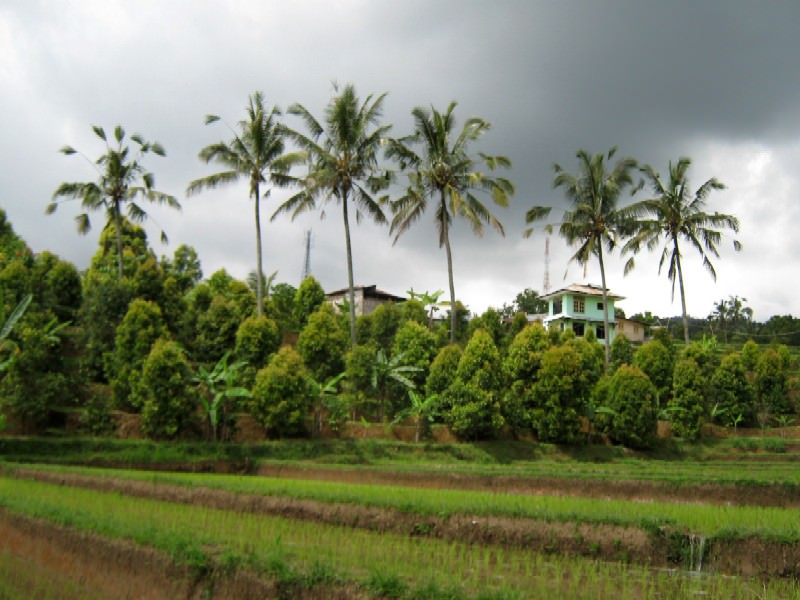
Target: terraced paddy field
(553, 526)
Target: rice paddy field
(720, 523)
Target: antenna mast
(307, 262)
(546, 283)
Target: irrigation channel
(169, 535)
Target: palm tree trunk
(446, 240)
(683, 294)
(259, 271)
(350, 293)
(606, 330)
(118, 228)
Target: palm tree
(593, 220)
(122, 180)
(343, 164)
(256, 152)
(445, 173)
(675, 213)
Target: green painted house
(580, 308)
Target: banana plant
(422, 410)
(219, 386)
(322, 394)
(8, 327)
(387, 369)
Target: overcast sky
(717, 81)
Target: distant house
(367, 298)
(631, 329)
(580, 308)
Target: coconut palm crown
(343, 153)
(593, 221)
(257, 153)
(673, 214)
(443, 172)
(122, 181)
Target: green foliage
(281, 306)
(360, 361)
(34, 382)
(165, 391)
(705, 353)
(521, 366)
(418, 347)
(688, 403)
(655, 360)
(323, 343)
(184, 267)
(280, 399)
(490, 321)
(443, 369)
(632, 398)
(307, 300)
(731, 393)
(140, 328)
(385, 320)
(256, 340)
(621, 351)
(560, 396)
(389, 374)
(592, 362)
(216, 329)
(57, 286)
(218, 390)
(529, 302)
(771, 384)
(413, 310)
(474, 397)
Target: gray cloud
(712, 80)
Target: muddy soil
(118, 569)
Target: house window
(578, 329)
(578, 305)
(599, 306)
(557, 306)
(601, 332)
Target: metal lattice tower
(307, 261)
(546, 282)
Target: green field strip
(192, 534)
(776, 524)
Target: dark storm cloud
(712, 80)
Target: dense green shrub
(771, 384)
(631, 397)
(418, 347)
(165, 391)
(256, 340)
(621, 352)
(34, 381)
(216, 329)
(105, 303)
(385, 320)
(559, 397)
(281, 397)
(307, 300)
(521, 366)
(750, 353)
(413, 310)
(443, 369)
(656, 361)
(687, 406)
(474, 396)
(323, 343)
(731, 393)
(140, 328)
(592, 357)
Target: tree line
(211, 340)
